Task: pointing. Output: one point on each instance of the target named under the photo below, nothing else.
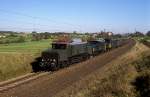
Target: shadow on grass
(36, 65)
(142, 85)
(142, 82)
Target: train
(64, 53)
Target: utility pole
(135, 30)
(104, 29)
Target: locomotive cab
(64, 53)
(52, 58)
(62, 50)
(60, 46)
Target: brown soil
(50, 85)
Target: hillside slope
(113, 80)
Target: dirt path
(50, 85)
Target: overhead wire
(40, 18)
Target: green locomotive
(63, 54)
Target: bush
(143, 64)
(8, 40)
(21, 39)
(142, 84)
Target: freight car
(115, 43)
(97, 46)
(63, 54)
(112, 43)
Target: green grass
(15, 64)
(26, 47)
(145, 38)
(16, 58)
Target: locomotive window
(93, 42)
(59, 46)
(107, 40)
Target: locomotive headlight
(42, 60)
(54, 60)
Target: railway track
(20, 80)
(49, 84)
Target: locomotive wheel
(68, 63)
(55, 67)
(65, 64)
(84, 58)
(88, 57)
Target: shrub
(142, 84)
(143, 64)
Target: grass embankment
(142, 81)
(113, 80)
(130, 80)
(120, 82)
(15, 58)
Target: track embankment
(115, 77)
(51, 84)
(147, 43)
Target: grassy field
(146, 38)
(26, 47)
(14, 64)
(15, 58)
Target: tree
(46, 35)
(148, 33)
(74, 32)
(117, 35)
(13, 35)
(137, 34)
(21, 39)
(34, 32)
(35, 36)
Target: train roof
(75, 43)
(69, 43)
(97, 41)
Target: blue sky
(119, 16)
